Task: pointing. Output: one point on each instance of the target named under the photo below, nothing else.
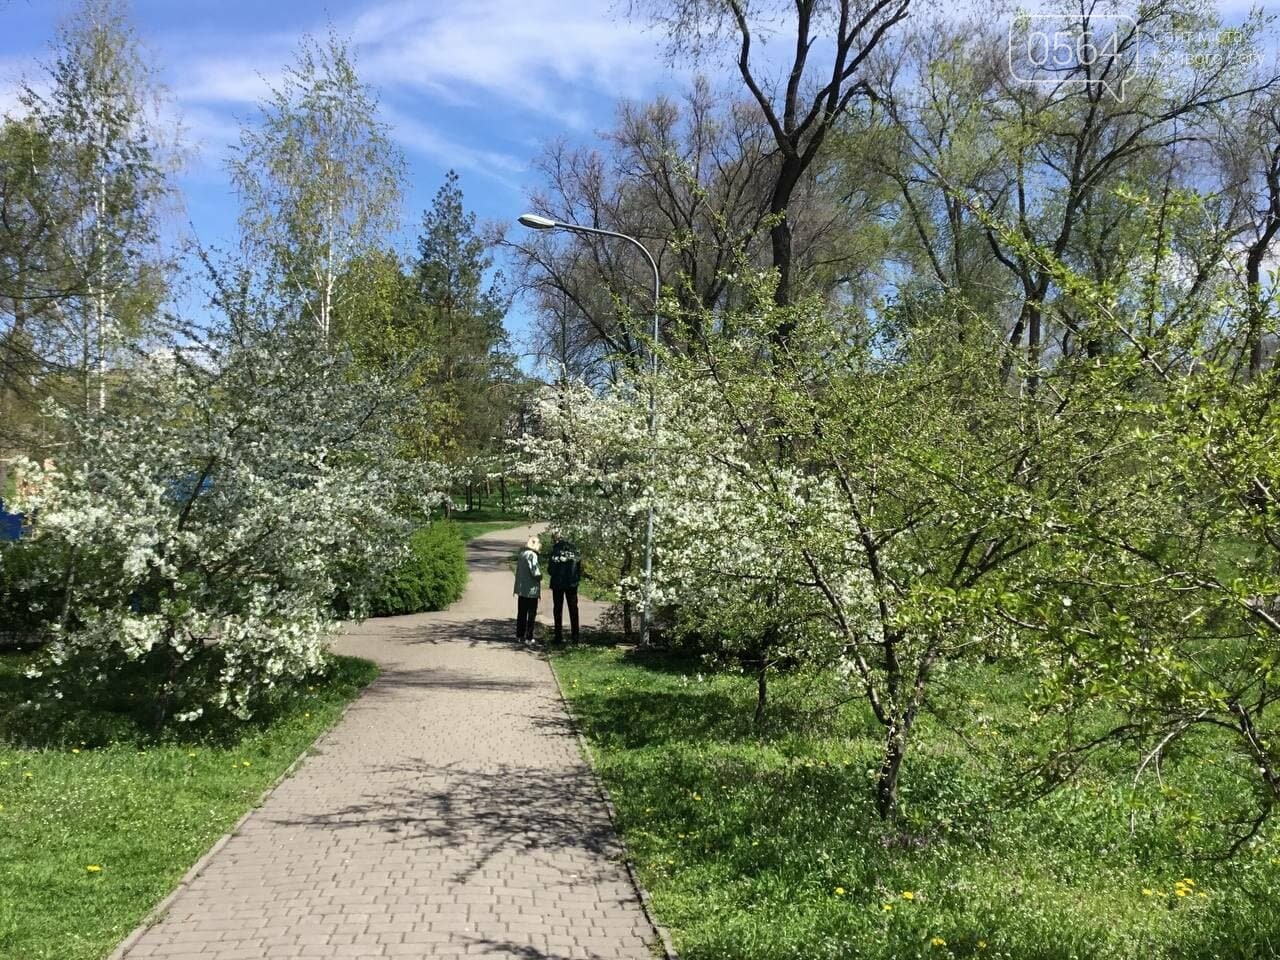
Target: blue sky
(478, 85)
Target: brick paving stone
(449, 814)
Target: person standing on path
(566, 571)
(528, 587)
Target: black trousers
(526, 615)
(561, 595)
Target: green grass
(470, 529)
(473, 523)
(141, 811)
(764, 846)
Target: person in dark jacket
(565, 568)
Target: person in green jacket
(565, 567)
(528, 587)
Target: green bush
(30, 593)
(431, 579)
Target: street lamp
(535, 222)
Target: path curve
(449, 814)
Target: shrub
(30, 590)
(431, 579)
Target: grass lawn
(764, 846)
(472, 523)
(92, 835)
(470, 529)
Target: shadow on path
(484, 813)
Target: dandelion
(93, 868)
(886, 907)
(1182, 891)
(839, 891)
(27, 774)
(938, 942)
(982, 944)
(192, 754)
(697, 797)
(908, 895)
(75, 750)
(244, 763)
(1146, 891)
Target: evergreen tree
(463, 311)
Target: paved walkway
(449, 814)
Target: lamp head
(535, 222)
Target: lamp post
(535, 222)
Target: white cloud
(425, 139)
(545, 56)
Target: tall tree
(832, 42)
(319, 179)
(463, 308)
(103, 159)
(690, 177)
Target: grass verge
(765, 845)
(92, 838)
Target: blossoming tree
(198, 533)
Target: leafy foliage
(433, 576)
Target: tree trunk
(762, 692)
(895, 748)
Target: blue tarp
(11, 524)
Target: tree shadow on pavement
(441, 678)
(523, 951)
(480, 814)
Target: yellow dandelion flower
(27, 774)
(839, 891)
(1182, 891)
(1188, 881)
(982, 944)
(244, 763)
(908, 895)
(93, 868)
(75, 750)
(938, 942)
(1202, 894)
(697, 796)
(755, 843)
(1146, 891)
(189, 755)
(886, 907)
